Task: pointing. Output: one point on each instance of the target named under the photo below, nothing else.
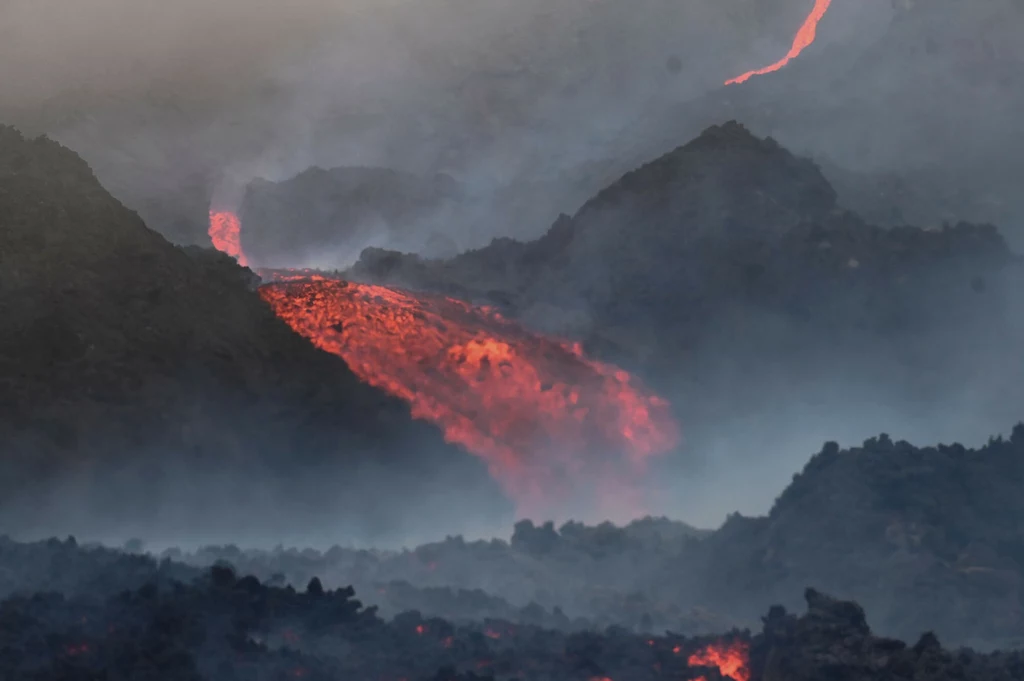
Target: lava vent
(549, 422)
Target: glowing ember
(804, 37)
(546, 419)
(731, 659)
(226, 234)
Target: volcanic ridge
(730, 259)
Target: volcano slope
(148, 385)
(734, 254)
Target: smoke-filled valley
(576, 340)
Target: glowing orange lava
(731, 659)
(226, 234)
(804, 38)
(546, 419)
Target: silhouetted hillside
(726, 273)
(919, 535)
(151, 384)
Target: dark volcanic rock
(729, 220)
(341, 210)
(833, 641)
(925, 538)
(120, 352)
(220, 625)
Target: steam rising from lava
(804, 38)
(546, 419)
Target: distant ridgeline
(732, 247)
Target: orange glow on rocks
(731, 659)
(804, 38)
(548, 421)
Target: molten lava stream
(226, 234)
(804, 38)
(546, 419)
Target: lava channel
(804, 38)
(548, 421)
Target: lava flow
(804, 38)
(731, 659)
(226, 234)
(545, 418)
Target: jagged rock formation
(833, 638)
(341, 210)
(924, 537)
(119, 351)
(218, 625)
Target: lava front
(548, 421)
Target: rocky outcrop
(832, 640)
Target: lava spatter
(545, 418)
(804, 38)
(226, 235)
